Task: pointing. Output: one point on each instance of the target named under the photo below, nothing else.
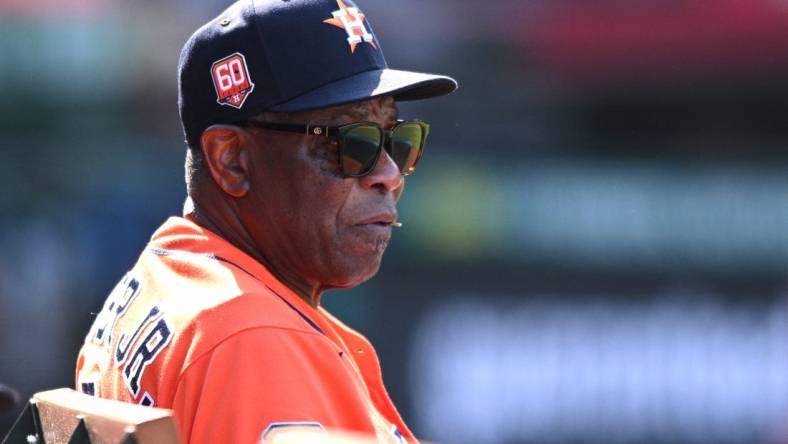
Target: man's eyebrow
(356, 112)
(361, 114)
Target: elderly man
(295, 164)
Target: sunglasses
(360, 143)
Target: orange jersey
(200, 327)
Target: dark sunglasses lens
(360, 149)
(406, 146)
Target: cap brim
(403, 85)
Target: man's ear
(224, 148)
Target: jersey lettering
(118, 301)
(88, 388)
(150, 347)
(122, 350)
(398, 435)
(292, 432)
(147, 400)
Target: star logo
(352, 21)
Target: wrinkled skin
(281, 198)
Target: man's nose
(385, 175)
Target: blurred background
(595, 245)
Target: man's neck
(222, 221)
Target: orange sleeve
(261, 376)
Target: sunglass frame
(338, 134)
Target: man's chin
(353, 275)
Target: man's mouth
(382, 219)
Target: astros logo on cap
(352, 21)
(231, 80)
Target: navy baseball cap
(287, 55)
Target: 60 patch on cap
(231, 80)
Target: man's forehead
(382, 107)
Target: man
(294, 168)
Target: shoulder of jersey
(208, 301)
(197, 286)
(207, 295)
